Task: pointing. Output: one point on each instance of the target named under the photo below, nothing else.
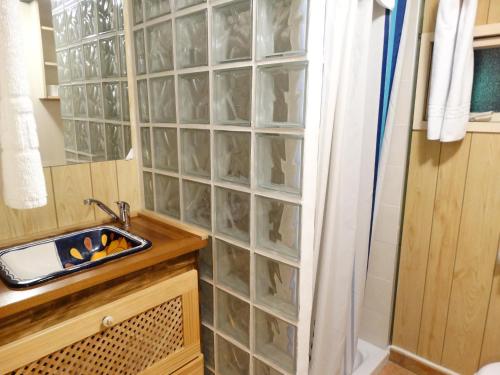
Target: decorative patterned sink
(39, 261)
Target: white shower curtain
(349, 132)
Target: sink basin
(39, 261)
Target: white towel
(452, 71)
(22, 171)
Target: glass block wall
(221, 92)
(92, 71)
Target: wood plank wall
(67, 187)
(448, 295)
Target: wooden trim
(416, 364)
(30, 348)
(191, 317)
(195, 367)
(174, 362)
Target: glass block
(196, 152)
(112, 100)
(114, 142)
(232, 32)
(181, 4)
(192, 40)
(59, 23)
(281, 27)
(66, 100)
(140, 52)
(138, 16)
(82, 136)
(120, 20)
(163, 99)
(276, 340)
(260, 368)
(106, 15)
(71, 157)
(160, 47)
(231, 360)
(142, 93)
(84, 158)
(146, 148)
(79, 101)
(63, 66)
(77, 63)
(97, 141)
(207, 371)
(127, 139)
(232, 155)
(205, 261)
(233, 213)
(233, 267)
(167, 195)
(156, 8)
(207, 346)
(277, 286)
(91, 57)
(109, 57)
(207, 302)
(281, 93)
(197, 203)
(125, 102)
(94, 100)
(194, 95)
(149, 201)
(165, 149)
(233, 317)
(69, 135)
(123, 55)
(485, 89)
(233, 96)
(278, 226)
(73, 29)
(279, 162)
(89, 17)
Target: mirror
(75, 52)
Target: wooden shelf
(50, 63)
(47, 28)
(51, 98)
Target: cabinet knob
(108, 321)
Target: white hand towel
(22, 171)
(452, 71)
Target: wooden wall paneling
(445, 226)
(25, 222)
(483, 7)
(128, 183)
(419, 208)
(476, 255)
(5, 232)
(494, 12)
(72, 184)
(490, 351)
(104, 186)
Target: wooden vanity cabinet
(144, 323)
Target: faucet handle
(124, 213)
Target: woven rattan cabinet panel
(150, 332)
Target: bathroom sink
(39, 261)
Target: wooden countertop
(168, 242)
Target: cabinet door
(152, 331)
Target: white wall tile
(375, 328)
(383, 257)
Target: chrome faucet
(124, 216)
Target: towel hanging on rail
(452, 71)
(22, 171)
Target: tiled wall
(67, 187)
(221, 98)
(92, 72)
(378, 303)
